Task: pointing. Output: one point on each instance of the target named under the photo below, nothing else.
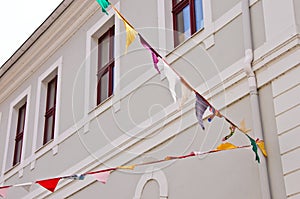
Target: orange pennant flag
(226, 146)
(130, 167)
(261, 146)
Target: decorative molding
(209, 42)
(9, 147)
(46, 46)
(55, 68)
(157, 175)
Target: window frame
(107, 68)
(176, 9)
(19, 136)
(50, 111)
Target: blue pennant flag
(200, 107)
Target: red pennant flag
(102, 177)
(49, 184)
(3, 191)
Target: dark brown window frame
(50, 111)
(176, 9)
(19, 135)
(109, 67)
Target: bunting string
(186, 83)
(201, 105)
(103, 175)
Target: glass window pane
(198, 14)
(104, 52)
(104, 86)
(18, 151)
(183, 24)
(51, 94)
(21, 119)
(49, 129)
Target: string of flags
(201, 104)
(173, 77)
(103, 175)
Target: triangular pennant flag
(261, 146)
(155, 55)
(27, 187)
(102, 176)
(172, 78)
(49, 184)
(130, 35)
(254, 148)
(226, 146)
(243, 127)
(185, 94)
(3, 191)
(104, 4)
(75, 177)
(232, 130)
(200, 106)
(215, 112)
(129, 167)
(130, 31)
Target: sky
(18, 20)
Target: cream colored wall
(147, 125)
(286, 105)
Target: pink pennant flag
(3, 191)
(154, 54)
(102, 176)
(49, 184)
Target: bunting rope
(185, 82)
(201, 105)
(102, 175)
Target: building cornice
(43, 43)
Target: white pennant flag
(185, 94)
(173, 79)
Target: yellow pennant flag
(130, 31)
(226, 146)
(261, 146)
(130, 35)
(130, 167)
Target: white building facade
(74, 100)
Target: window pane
(49, 129)
(18, 150)
(51, 94)
(21, 119)
(104, 52)
(198, 14)
(104, 86)
(183, 24)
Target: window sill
(185, 42)
(107, 103)
(44, 146)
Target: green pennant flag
(254, 148)
(104, 4)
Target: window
(187, 19)
(106, 62)
(19, 135)
(50, 110)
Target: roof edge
(35, 36)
